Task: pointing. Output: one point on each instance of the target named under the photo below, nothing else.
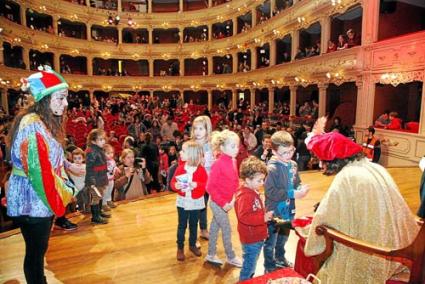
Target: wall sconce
(105, 54)
(166, 88)
(114, 19)
(107, 88)
(392, 78)
(17, 40)
(44, 47)
(301, 20)
(75, 52)
(73, 17)
(42, 8)
(130, 22)
(336, 2)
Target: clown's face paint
(58, 102)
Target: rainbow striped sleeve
(50, 187)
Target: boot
(96, 218)
(180, 255)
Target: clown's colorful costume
(38, 186)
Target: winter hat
(43, 83)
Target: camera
(140, 162)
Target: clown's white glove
(301, 191)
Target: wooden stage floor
(139, 244)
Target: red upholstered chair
(412, 256)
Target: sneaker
(105, 214)
(213, 259)
(284, 263)
(66, 225)
(236, 261)
(111, 204)
(195, 251)
(106, 208)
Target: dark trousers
(36, 233)
(185, 217)
(203, 224)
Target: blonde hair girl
(201, 133)
(223, 183)
(189, 181)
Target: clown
(363, 202)
(38, 187)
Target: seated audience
(383, 120)
(342, 43)
(395, 122)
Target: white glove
(302, 191)
(422, 164)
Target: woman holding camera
(133, 177)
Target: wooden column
(365, 101)
(235, 25)
(150, 35)
(322, 99)
(89, 66)
(23, 15)
(181, 5)
(210, 100)
(210, 65)
(56, 62)
(252, 98)
(151, 94)
(88, 30)
(151, 61)
(210, 3)
(119, 7)
(181, 67)
(210, 37)
(295, 37)
(119, 34)
(234, 98)
(55, 20)
(325, 24)
(254, 16)
(293, 100)
(26, 57)
(273, 53)
(271, 99)
(254, 58)
(272, 7)
(149, 6)
(370, 22)
(235, 62)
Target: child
(77, 156)
(172, 155)
(189, 182)
(282, 186)
(131, 182)
(223, 181)
(112, 171)
(96, 174)
(201, 133)
(251, 216)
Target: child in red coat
(189, 181)
(251, 216)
